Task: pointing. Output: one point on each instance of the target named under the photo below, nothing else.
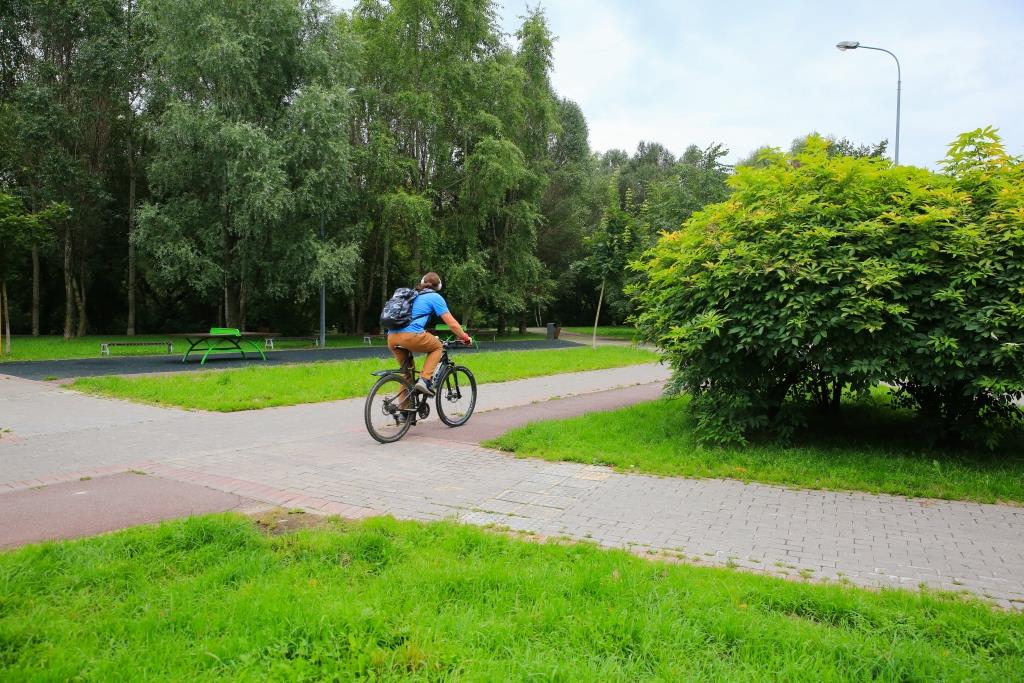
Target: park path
(319, 457)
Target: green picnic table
(223, 339)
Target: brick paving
(319, 457)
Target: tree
(450, 114)
(19, 230)
(829, 273)
(62, 111)
(963, 366)
(672, 190)
(570, 207)
(699, 179)
(763, 156)
(134, 50)
(842, 147)
(250, 151)
(619, 239)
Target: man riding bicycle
(414, 337)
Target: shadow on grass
(877, 426)
(868, 446)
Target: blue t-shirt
(426, 302)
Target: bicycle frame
(420, 402)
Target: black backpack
(397, 311)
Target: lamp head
(847, 45)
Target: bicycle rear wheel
(389, 408)
(456, 396)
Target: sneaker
(425, 386)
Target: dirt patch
(279, 520)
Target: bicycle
(393, 405)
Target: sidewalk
(319, 457)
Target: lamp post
(853, 45)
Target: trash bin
(552, 331)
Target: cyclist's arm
(454, 326)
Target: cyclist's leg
(430, 345)
(405, 360)
(421, 342)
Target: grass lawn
(869, 448)
(626, 333)
(214, 598)
(261, 387)
(54, 347)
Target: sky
(748, 73)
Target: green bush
(823, 276)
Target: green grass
(869, 448)
(55, 348)
(212, 598)
(626, 333)
(262, 387)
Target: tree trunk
(7, 318)
(69, 290)
(837, 394)
(360, 316)
(384, 273)
(502, 325)
(352, 313)
(83, 319)
(131, 233)
(522, 323)
(4, 287)
(232, 308)
(241, 306)
(35, 290)
(364, 304)
(600, 299)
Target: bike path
(319, 457)
(139, 365)
(94, 505)
(70, 504)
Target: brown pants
(422, 342)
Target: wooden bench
(368, 338)
(105, 346)
(269, 341)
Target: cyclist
(414, 336)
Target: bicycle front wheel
(389, 409)
(456, 396)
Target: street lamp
(853, 45)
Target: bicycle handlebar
(453, 343)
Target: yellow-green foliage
(822, 273)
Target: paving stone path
(319, 457)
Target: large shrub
(822, 275)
